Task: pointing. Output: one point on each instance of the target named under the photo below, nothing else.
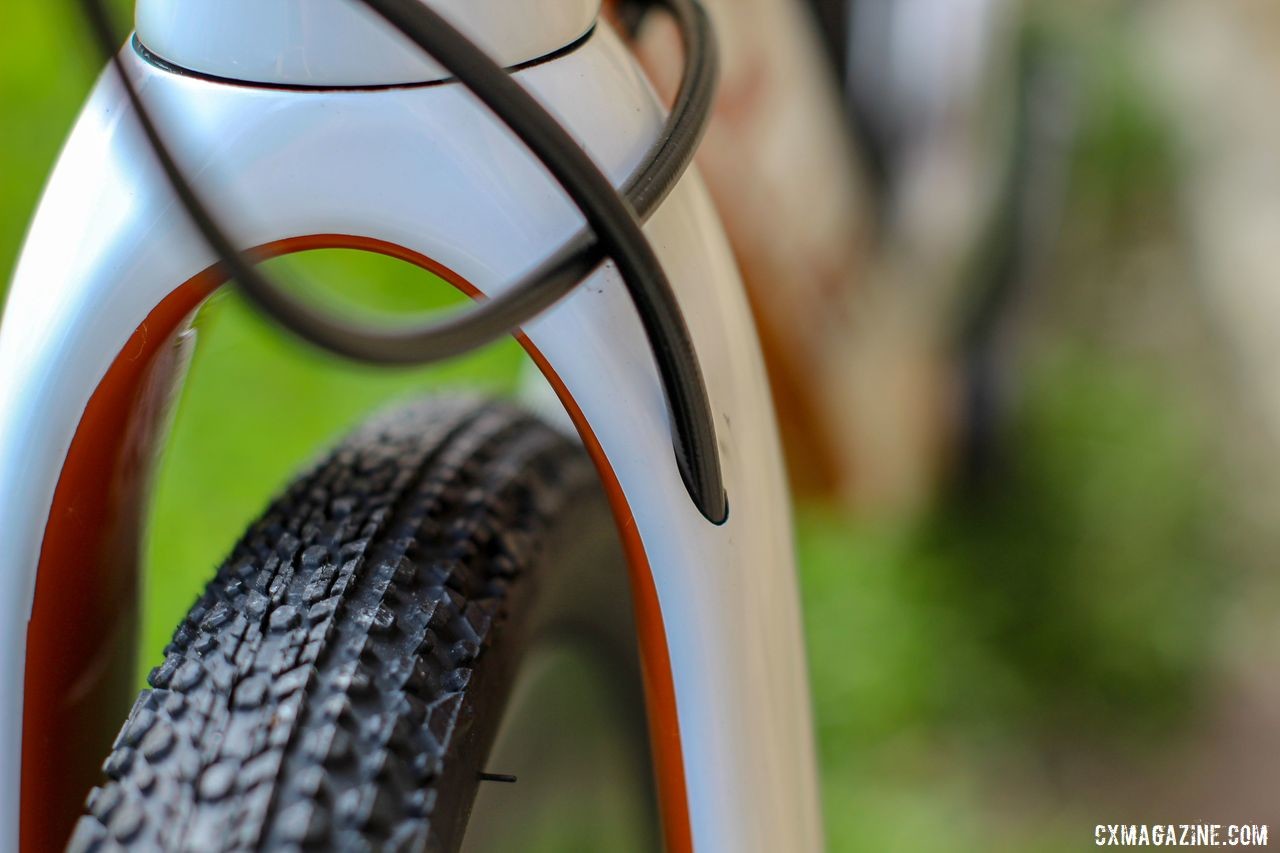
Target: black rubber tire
(339, 683)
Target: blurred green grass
(944, 650)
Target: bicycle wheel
(341, 681)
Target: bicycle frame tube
(112, 267)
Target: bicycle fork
(91, 351)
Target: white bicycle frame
(112, 270)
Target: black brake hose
(613, 223)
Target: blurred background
(1043, 595)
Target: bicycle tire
(339, 683)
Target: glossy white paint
(341, 42)
(429, 169)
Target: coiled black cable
(613, 223)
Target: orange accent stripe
(81, 638)
(91, 540)
(655, 657)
